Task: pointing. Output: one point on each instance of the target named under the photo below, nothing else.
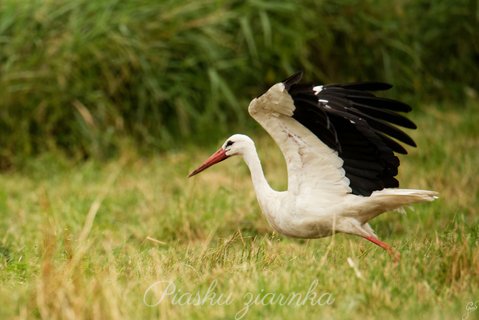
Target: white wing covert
(313, 167)
(336, 139)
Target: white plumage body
(321, 199)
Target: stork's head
(237, 144)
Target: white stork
(340, 154)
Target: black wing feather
(360, 126)
(364, 86)
(385, 115)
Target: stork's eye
(228, 143)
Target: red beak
(216, 157)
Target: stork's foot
(393, 253)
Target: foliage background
(88, 77)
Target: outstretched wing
(336, 139)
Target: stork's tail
(391, 199)
(406, 196)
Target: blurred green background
(89, 77)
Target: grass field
(92, 240)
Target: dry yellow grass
(92, 241)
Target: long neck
(260, 183)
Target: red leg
(392, 252)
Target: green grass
(85, 240)
(84, 76)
